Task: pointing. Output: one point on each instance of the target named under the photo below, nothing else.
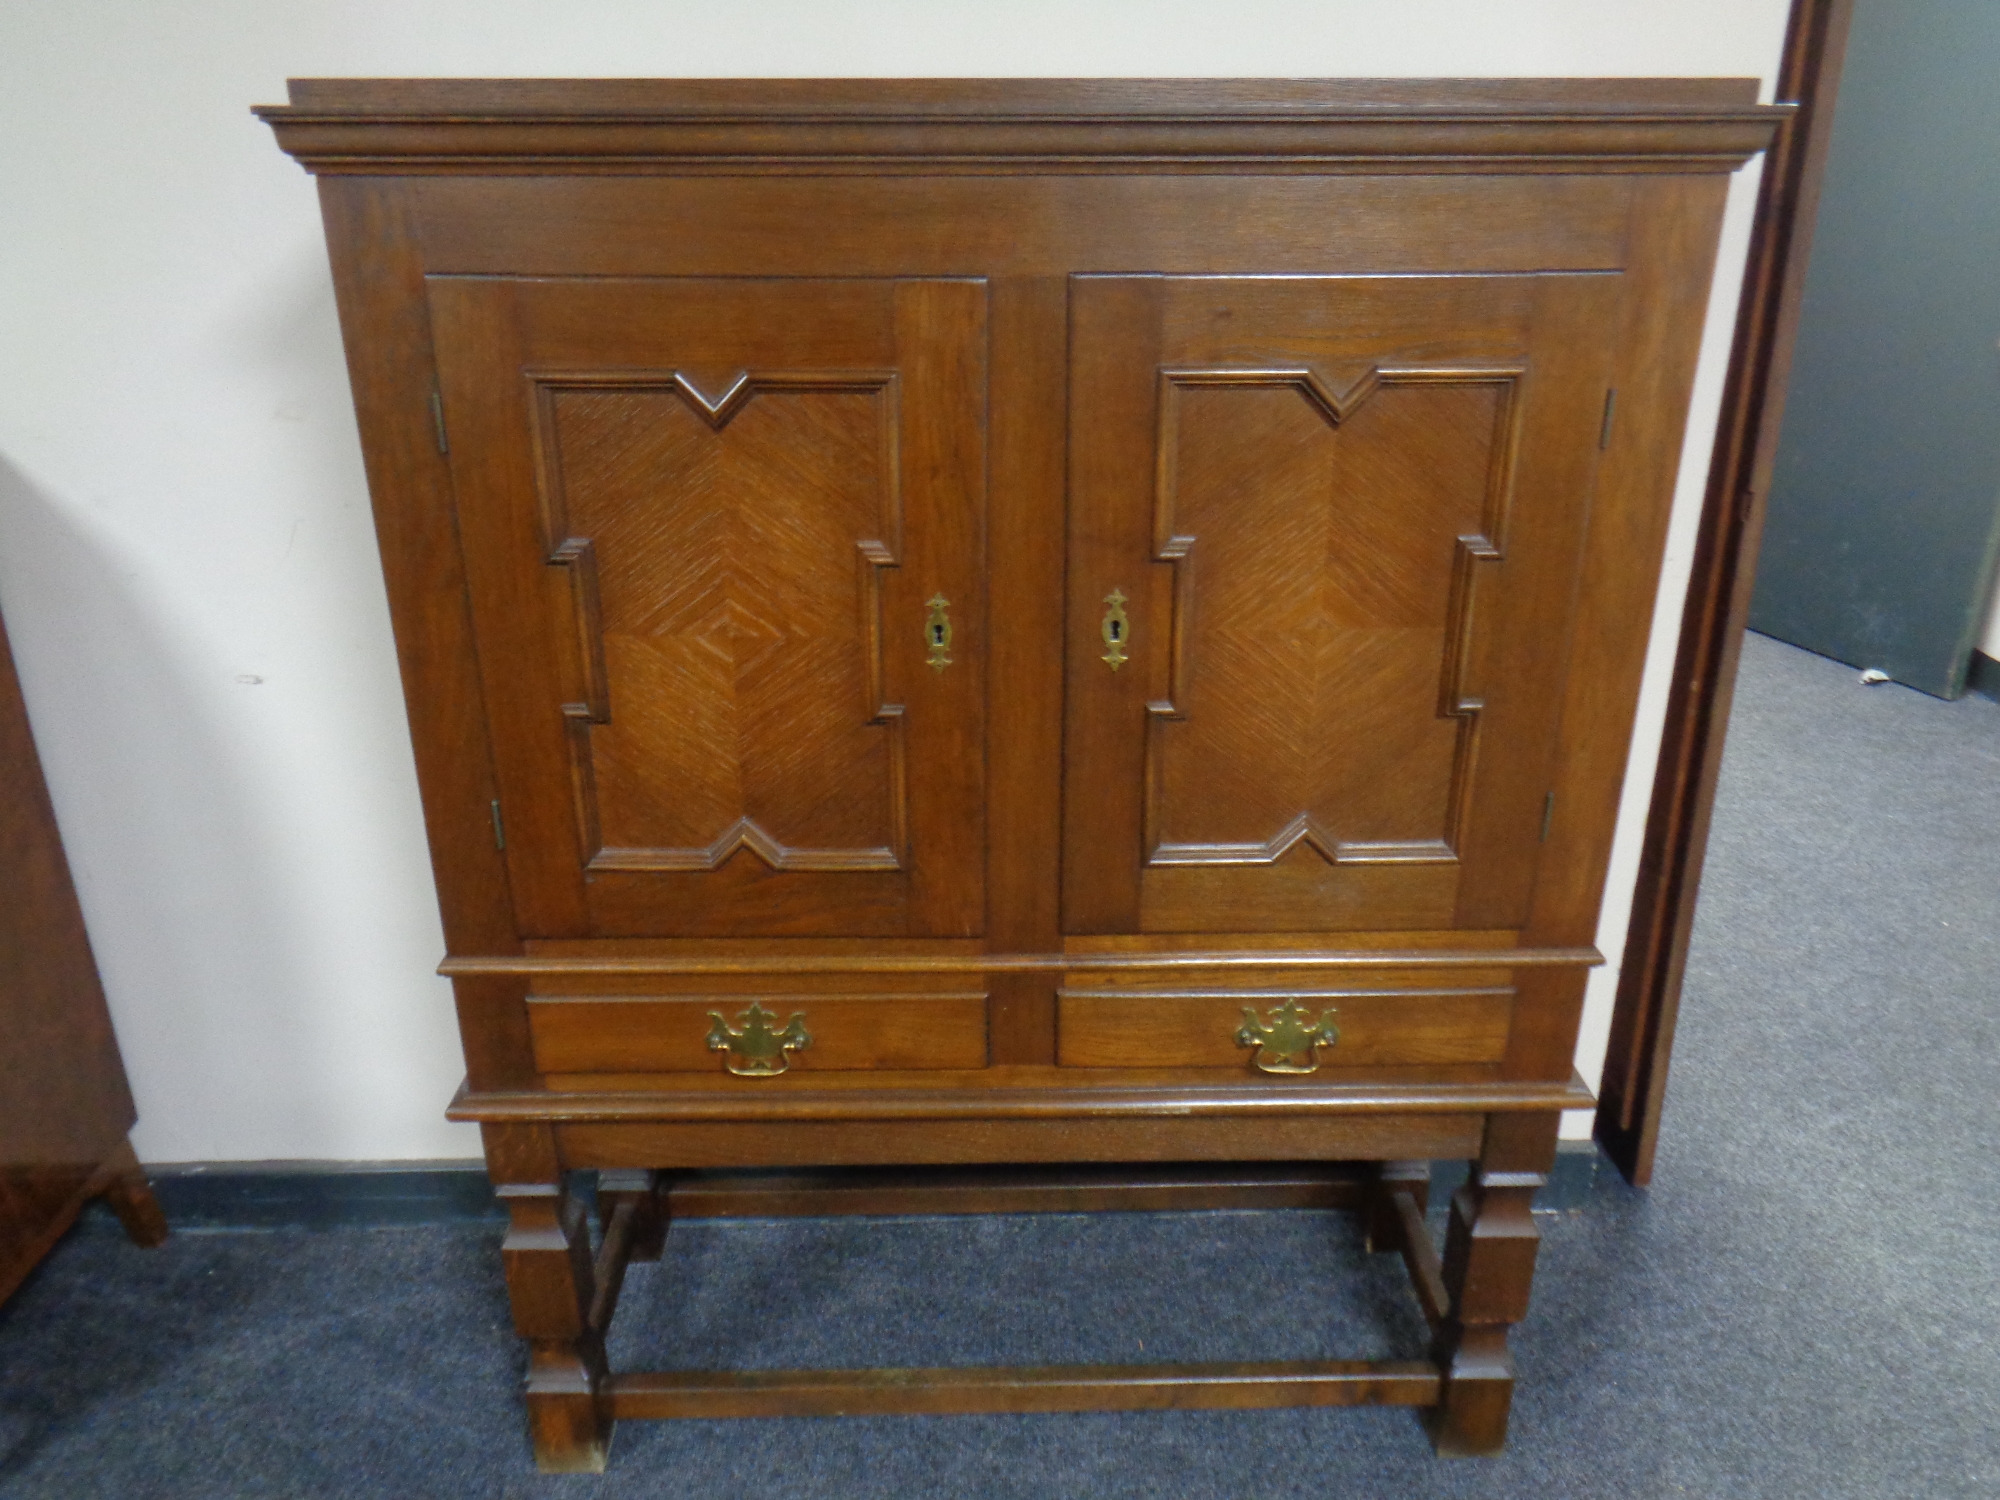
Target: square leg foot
(570, 1436)
(1470, 1419)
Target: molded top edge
(988, 98)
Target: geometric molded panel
(1327, 545)
(716, 543)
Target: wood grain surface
(704, 418)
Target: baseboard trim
(250, 1195)
(233, 1196)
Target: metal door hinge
(499, 828)
(437, 419)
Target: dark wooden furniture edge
(880, 98)
(66, 1107)
(494, 965)
(1091, 1188)
(1027, 1388)
(1072, 1102)
(121, 1182)
(1718, 601)
(374, 126)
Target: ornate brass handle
(937, 632)
(754, 1049)
(1116, 629)
(1287, 1044)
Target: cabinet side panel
(1671, 253)
(378, 282)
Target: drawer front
(1288, 1031)
(756, 1035)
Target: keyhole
(1117, 630)
(937, 635)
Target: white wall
(186, 560)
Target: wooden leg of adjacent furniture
(1489, 1265)
(130, 1197)
(552, 1285)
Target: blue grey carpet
(1806, 1304)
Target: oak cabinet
(958, 627)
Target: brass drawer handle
(754, 1049)
(1287, 1044)
(1116, 629)
(937, 633)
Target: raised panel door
(723, 543)
(1323, 541)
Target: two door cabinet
(1015, 645)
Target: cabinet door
(1331, 525)
(722, 539)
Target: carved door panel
(723, 539)
(1331, 526)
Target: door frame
(1634, 1083)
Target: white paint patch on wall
(186, 558)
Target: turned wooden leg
(130, 1197)
(1489, 1265)
(552, 1285)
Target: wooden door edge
(1633, 1089)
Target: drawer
(1122, 1028)
(657, 1034)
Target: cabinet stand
(564, 1297)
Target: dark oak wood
(552, 1285)
(1182, 1186)
(1488, 1267)
(1334, 714)
(632, 1035)
(1718, 599)
(765, 473)
(1162, 958)
(65, 1106)
(1092, 99)
(1383, 1224)
(1019, 1094)
(1592, 125)
(1358, 1135)
(1125, 1028)
(1027, 1388)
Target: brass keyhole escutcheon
(1287, 1042)
(1116, 630)
(937, 633)
(754, 1049)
